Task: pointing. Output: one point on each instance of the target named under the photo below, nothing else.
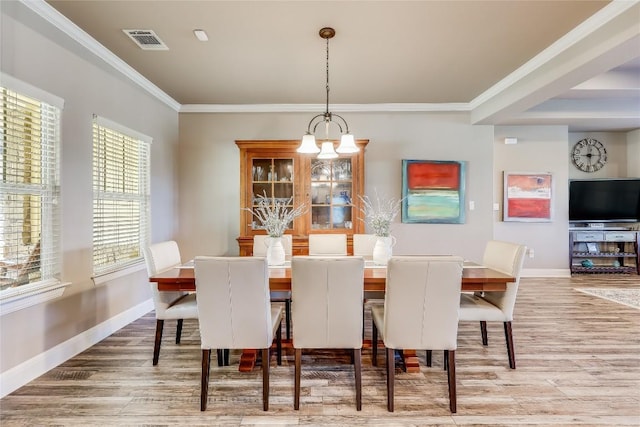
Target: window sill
(14, 299)
(104, 278)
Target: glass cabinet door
(331, 193)
(273, 179)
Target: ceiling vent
(146, 39)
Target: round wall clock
(589, 155)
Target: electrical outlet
(531, 253)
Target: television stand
(602, 250)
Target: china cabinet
(329, 188)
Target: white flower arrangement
(275, 215)
(380, 215)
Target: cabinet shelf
(604, 248)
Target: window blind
(120, 197)
(29, 191)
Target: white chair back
(421, 303)
(158, 258)
(327, 298)
(328, 244)
(261, 242)
(363, 245)
(508, 258)
(233, 302)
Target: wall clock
(589, 155)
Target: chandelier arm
(346, 125)
(316, 125)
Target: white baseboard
(22, 374)
(542, 272)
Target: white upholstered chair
(363, 245)
(236, 312)
(328, 244)
(260, 242)
(420, 312)
(327, 297)
(168, 305)
(506, 257)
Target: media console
(598, 249)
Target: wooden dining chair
(327, 297)
(420, 312)
(508, 258)
(236, 313)
(167, 305)
(260, 249)
(328, 244)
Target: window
(29, 192)
(120, 196)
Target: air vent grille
(146, 39)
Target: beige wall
(209, 173)
(33, 52)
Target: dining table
(475, 278)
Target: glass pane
(341, 217)
(262, 190)
(261, 169)
(342, 170)
(320, 217)
(283, 190)
(283, 170)
(320, 193)
(320, 170)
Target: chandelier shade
(347, 140)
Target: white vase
(275, 251)
(383, 249)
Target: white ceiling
(492, 58)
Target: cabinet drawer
(620, 236)
(588, 236)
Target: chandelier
(347, 141)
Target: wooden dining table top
(475, 278)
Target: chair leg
(358, 372)
(226, 357)
(298, 361)
(445, 360)
(374, 344)
(483, 331)
(156, 345)
(391, 372)
(287, 315)
(265, 379)
(178, 331)
(429, 356)
(279, 344)
(451, 377)
(204, 379)
(510, 350)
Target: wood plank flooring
(578, 363)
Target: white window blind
(29, 191)
(120, 196)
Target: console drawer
(620, 236)
(588, 236)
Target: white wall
(34, 52)
(539, 149)
(633, 154)
(209, 173)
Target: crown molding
(55, 18)
(314, 108)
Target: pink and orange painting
(528, 197)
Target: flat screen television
(604, 200)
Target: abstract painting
(528, 197)
(433, 191)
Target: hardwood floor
(578, 363)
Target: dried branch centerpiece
(274, 216)
(379, 215)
